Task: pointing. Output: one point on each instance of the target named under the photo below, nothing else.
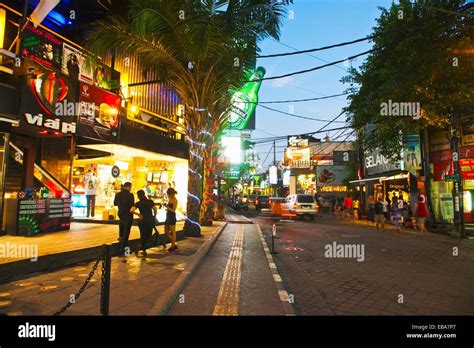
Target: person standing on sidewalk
(355, 208)
(379, 213)
(147, 219)
(347, 207)
(91, 183)
(124, 200)
(170, 222)
(396, 214)
(421, 212)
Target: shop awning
(380, 179)
(363, 181)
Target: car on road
(300, 205)
(262, 202)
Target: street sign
(453, 177)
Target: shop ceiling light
(3, 16)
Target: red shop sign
(467, 168)
(466, 152)
(441, 169)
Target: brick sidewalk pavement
(136, 283)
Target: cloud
(279, 83)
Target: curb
(166, 300)
(282, 293)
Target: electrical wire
(312, 69)
(298, 100)
(316, 49)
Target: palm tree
(202, 48)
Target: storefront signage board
(453, 177)
(376, 163)
(441, 169)
(466, 152)
(467, 168)
(37, 216)
(298, 157)
(344, 157)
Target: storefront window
(152, 172)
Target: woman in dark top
(170, 222)
(146, 215)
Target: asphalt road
(404, 274)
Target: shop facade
(72, 123)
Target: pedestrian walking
(124, 200)
(338, 208)
(386, 205)
(379, 216)
(146, 219)
(170, 222)
(396, 214)
(371, 211)
(421, 213)
(347, 207)
(355, 208)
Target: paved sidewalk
(81, 236)
(137, 283)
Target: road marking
(228, 298)
(282, 293)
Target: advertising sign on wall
(75, 64)
(273, 175)
(341, 158)
(331, 175)
(298, 157)
(441, 169)
(467, 169)
(412, 152)
(41, 47)
(103, 123)
(48, 102)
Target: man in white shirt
(91, 183)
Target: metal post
(105, 288)
(273, 238)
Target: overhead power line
(312, 69)
(300, 100)
(316, 49)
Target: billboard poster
(441, 169)
(298, 157)
(76, 65)
(41, 47)
(244, 101)
(273, 175)
(102, 123)
(412, 152)
(331, 175)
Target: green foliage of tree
(423, 53)
(202, 48)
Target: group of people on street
(396, 210)
(146, 211)
(347, 207)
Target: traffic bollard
(105, 281)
